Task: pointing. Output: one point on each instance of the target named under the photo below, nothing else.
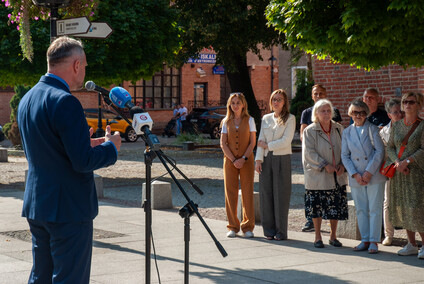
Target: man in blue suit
(60, 200)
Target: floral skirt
(327, 204)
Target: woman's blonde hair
(230, 113)
(418, 96)
(285, 113)
(319, 104)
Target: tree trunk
(240, 82)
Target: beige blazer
(278, 137)
(317, 153)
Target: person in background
(238, 138)
(395, 114)
(362, 156)
(406, 208)
(175, 113)
(377, 116)
(60, 200)
(181, 120)
(273, 163)
(318, 92)
(325, 177)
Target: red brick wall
(344, 83)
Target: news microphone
(121, 98)
(91, 86)
(142, 123)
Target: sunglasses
(278, 100)
(359, 113)
(407, 102)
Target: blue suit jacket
(365, 153)
(55, 137)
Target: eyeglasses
(396, 112)
(359, 113)
(277, 100)
(407, 102)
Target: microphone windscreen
(119, 96)
(135, 110)
(90, 86)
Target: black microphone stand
(185, 212)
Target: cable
(154, 254)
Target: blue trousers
(61, 252)
(369, 210)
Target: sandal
(362, 246)
(373, 248)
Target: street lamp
(272, 61)
(53, 5)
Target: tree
(232, 28)
(368, 34)
(144, 36)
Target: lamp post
(53, 5)
(271, 61)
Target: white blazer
(278, 137)
(365, 153)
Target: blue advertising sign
(218, 70)
(203, 58)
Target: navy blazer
(55, 137)
(363, 154)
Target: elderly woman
(362, 155)
(406, 207)
(395, 114)
(325, 177)
(273, 163)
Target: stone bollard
(98, 180)
(188, 146)
(161, 197)
(348, 229)
(256, 205)
(3, 155)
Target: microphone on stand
(91, 86)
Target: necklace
(409, 124)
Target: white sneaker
(409, 249)
(231, 234)
(421, 253)
(248, 234)
(387, 241)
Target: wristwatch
(408, 161)
(245, 158)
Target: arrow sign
(97, 30)
(72, 26)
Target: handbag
(390, 170)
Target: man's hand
(95, 141)
(115, 138)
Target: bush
(303, 98)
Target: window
(200, 95)
(161, 92)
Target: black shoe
(319, 244)
(335, 243)
(309, 227)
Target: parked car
(1, 133)
(207, 120)
(114, 120)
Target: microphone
(91, 86)
(121, 98)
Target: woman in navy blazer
(362, 156)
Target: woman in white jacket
(273, 163)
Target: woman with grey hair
(325, 177)
(395, 114)
(362, 155)
(406, 208)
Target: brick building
(344, 83)
(196, 84)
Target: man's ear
(76, 65)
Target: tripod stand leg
(186, 248)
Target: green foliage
(197, 139)
(144, 36)
(231, 27)
(369, 34)
(6, 129)
(20, 91)
(303, 98)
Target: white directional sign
(97, 30)
(72, 26)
